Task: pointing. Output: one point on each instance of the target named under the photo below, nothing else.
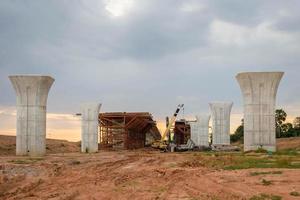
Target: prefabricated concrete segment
(221, 122)
(259, 91)
(89, 127)
(32, 94)
(199, 130)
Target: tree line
(283, 129)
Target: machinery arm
(172, 120)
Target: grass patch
(295, 194)
(172, 165)
(266, 197)
(288, 152)
(267, 162)
(74, 162)
(130, 184)
(265, 173)
(159, 189)
(266, 183)
(236, 161)
(26, 161)
(261, 150)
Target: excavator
(163, 142)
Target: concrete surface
(199, 130)
(32, 93)
(89, 127)
(221, 122)
(259, 91)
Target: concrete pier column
(203, 121)
(89, 127)
(194, 131)
(199, 130)
(32, 93)
(221, 122)
(259, 91)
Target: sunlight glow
(118, 8)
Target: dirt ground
(8, 146)
(140, 174)
(288, 143)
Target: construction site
(139, 130)
(123, 155)
(149, 100)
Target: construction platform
(127, 130)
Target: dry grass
(233, 161)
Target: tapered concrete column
(89, 127)
(199, 130)
(194, 131)
(221, 122)
(259, 90)
(32, 93)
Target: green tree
(285, 128)
(238, 134)
(280, 117)
(282, 129)
(297, 123)
(297, 126)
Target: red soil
(140, 174)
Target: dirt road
(136, 175)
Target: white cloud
(226, 33)
(118, 8)
(192, 7)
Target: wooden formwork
(182, 132)
(122, 130)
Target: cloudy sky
(146, 55)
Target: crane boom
(172, 120)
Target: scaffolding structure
(182, 132)
(122, 130)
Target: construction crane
(162, 144)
